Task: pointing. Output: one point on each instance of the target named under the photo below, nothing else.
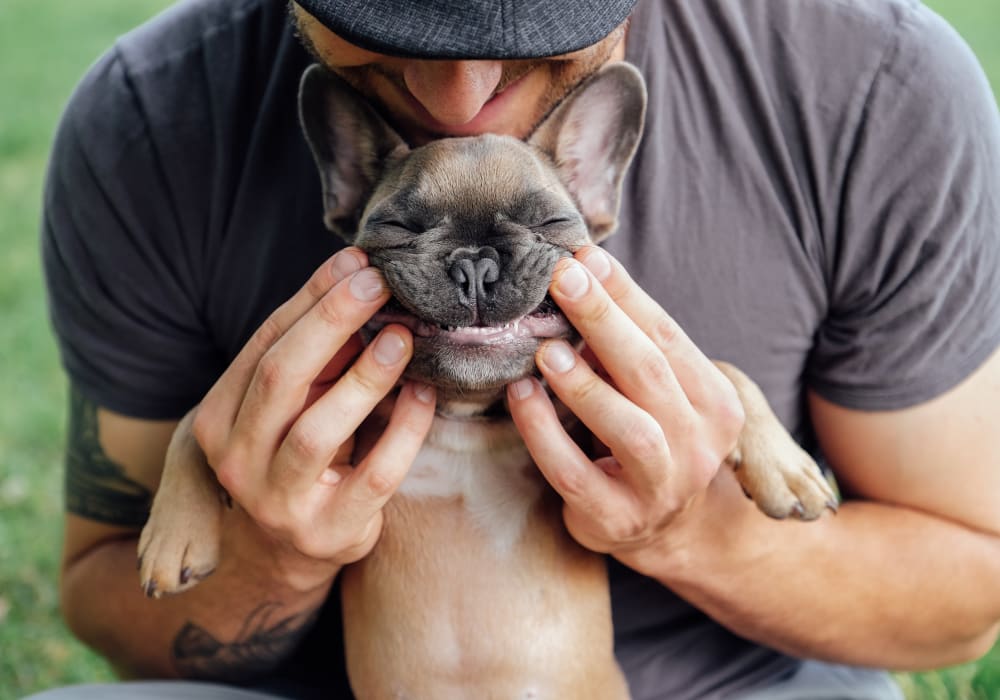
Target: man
(816, 199)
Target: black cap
(499, 29)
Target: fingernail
(559, 356)
(598, 262)
(367, 285)
(522, 388)
(573, 281)
(389, 349)
(344, 265)
(423, 392)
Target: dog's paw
(179, 546)
(782, 479)
(177, 549)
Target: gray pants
(813, 681)
(819, 681)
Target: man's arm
(278, 428)
(242, 620)
(904, 576)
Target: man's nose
(452, 91)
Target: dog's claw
(832, 506)
(185, 574)
(150, 588)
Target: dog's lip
(533, 325)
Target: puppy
(475, 589)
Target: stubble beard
(564, 76)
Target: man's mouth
(546, 321)
(488, 119)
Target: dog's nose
(473, 269)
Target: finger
(702, 382)
(581, 484)
(280, 386)
(314, 438)
(220, 406)
(383, 470)
(329, 375)
(634, 436)
(638, 367)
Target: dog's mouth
(545, 321)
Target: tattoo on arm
(259, 646)
(97, 487)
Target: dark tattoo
(97, 487)
(259, 646)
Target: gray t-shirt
(816, 199)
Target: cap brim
(488, 29)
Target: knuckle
(644, 439)
(354, 544)
(665, 332)
(306, 541)
(653, 368)
(270, 373)
(627, 526)
(306, 441)
(378, 485)
(229, 472)
(319, 283)
(329, 310)
(704, 463)
(732, 417)
(368, 380)
(272, 519)
(598, 310)
(588, 387)
(571, 483)
(269, 332)
(412, 428)
(726, 412)
(620, 287)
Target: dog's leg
(179, 545)
(780, 477)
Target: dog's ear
(591, 136)
(350, 143)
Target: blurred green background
(45, 46)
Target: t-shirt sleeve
(913, 265)
(123, 272)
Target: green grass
(45, 46)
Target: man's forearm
(874, 585)
(232, 626)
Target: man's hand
(667, 414)
(278, 426)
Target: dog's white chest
(486, 464)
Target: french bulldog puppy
(475, 589)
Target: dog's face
(467, 230)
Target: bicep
(941, 456)
(113, 466)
